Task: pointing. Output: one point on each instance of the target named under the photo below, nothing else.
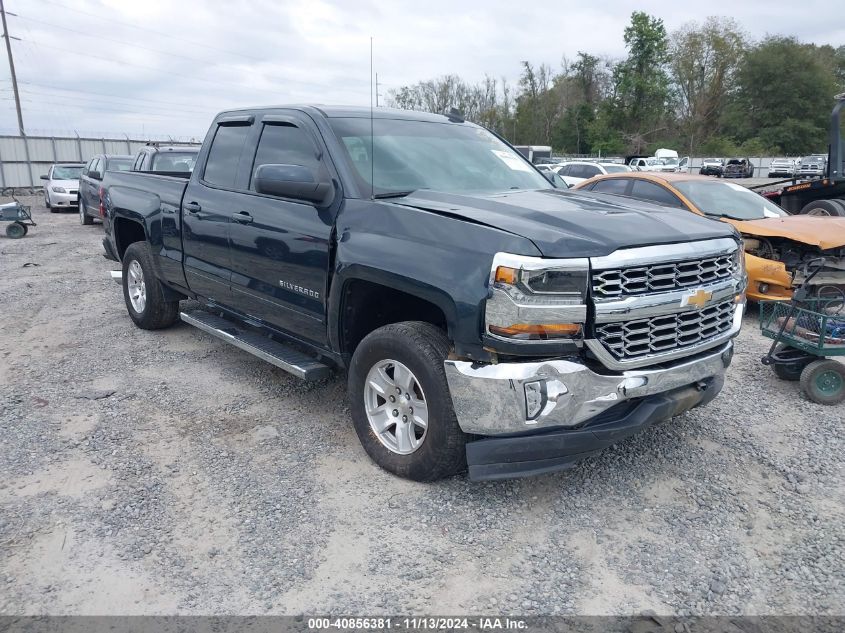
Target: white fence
(23, 159)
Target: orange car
(777, 244)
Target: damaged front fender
(767, 279)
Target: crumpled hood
(824, 232)
(565, 223)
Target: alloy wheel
(396, 407)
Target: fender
(148, 217)
(440, 259)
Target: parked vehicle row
(487, 319)
(77, 186)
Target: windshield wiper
(393, 194)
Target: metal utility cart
(804, 332)
(18, 217)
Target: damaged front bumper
(545, 415)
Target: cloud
(162, 67)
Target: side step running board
(281, 355)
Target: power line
(112, 39)
(106, 94)
(149, 30)
(109, 101)
(142, 66)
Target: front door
(280, 247)
(207, 207)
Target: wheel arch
(127, 231)
(366, 299)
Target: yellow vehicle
(777, 245)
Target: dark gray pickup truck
(486, 318)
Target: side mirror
(291, 181)
(45, 177)
(95, 175)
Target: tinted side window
(221, 168)
(590, 171)
(90, 166)
(98, 163)
(645, 190)
(611, 185)
(564, 171)
(285, 145)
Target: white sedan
(573, 172)
(61, 189)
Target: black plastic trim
(549, 451)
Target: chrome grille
(638, 280)
(633, 339)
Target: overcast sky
(158, 67)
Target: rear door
(89, 189)
(210, 200)
(280, 247)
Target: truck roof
(341, 111)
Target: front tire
(823, 381)
(142, 292)
(400, 402)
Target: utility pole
(8, 37)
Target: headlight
(738, 267)
(536, 299)
(59, 190)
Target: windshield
(119, 164)
(66, 172)
(615, 169)
(174, 161)
(448, 157)
(726, 199)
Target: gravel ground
(166, 472)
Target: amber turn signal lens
(505, 275)
(539, 332)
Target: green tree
(641, 83)
(784, 97)
(704, 59)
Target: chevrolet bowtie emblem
(697, 298)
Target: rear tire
(84, 218)
(832, 208)
(419, 348)
(142, 292)
(791, 371)
(823, 381)
(15, 230)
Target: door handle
(192, 207)
(242, 217)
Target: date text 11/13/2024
(418, 623)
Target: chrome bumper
(498, 399)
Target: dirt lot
(166, 472)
